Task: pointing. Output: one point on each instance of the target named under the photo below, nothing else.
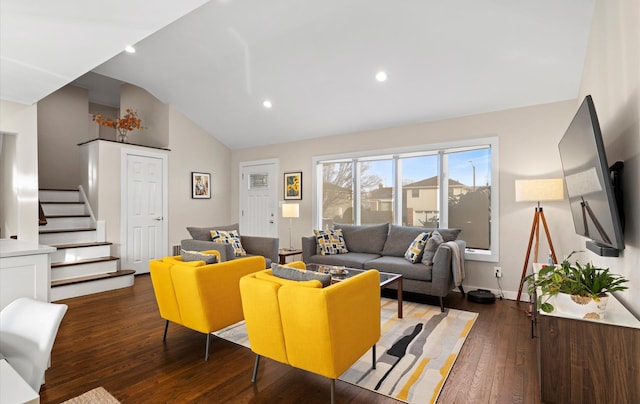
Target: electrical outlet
(497, 271)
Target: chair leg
(255, 369)
(166, 326)
(333, 391)
(206, 354)
(373, 362)
(441, 304)
(461, 290)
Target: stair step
(89, 278)
(63, 208)
(85, 285)
(66, 222)
(61, 195)
(71, 236)
(50, 231)
(83, 261)
(82, 268)
(81, 245)
(77, 252)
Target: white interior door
(258, 198)
(145, 211)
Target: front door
(144, 211)
(258, 198)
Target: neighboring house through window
(452, 185)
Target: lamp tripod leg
(534, 229)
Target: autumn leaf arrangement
(128, 122)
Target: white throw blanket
(457, 262)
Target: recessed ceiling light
(130, 49)
(381, 76)
(267, 104)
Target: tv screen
(589, 184)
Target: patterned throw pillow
(229, 237)
(414, 252)
(188, 256)
(331, 242)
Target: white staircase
(83, 263)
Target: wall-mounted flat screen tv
(589, 182)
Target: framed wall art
(200, 185)
(293, 185)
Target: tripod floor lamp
(290, 210)
(538, 190)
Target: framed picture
(200, 185)
(293, 185)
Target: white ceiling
(316, 60)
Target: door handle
(157, 219)
(271, 221)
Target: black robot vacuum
(481, 296)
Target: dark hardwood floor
(114, 340)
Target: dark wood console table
(589, 361)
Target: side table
(283, 253)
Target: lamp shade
(290, 210)
(539, 190)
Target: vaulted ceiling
(315, 61)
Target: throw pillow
(229, 237)
(414, 252)
(331, 242)
(198, 256)
(204, 233)
(296, 274)
(430, 248)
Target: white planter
(581, 307)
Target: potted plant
(577, 290)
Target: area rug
(414, 355)
(96, 396)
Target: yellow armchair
(204, 298)
(321, 330)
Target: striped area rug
(414, 355)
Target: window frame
(491, 255)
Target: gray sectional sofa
(382, 247)
(253, 245)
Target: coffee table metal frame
(386, 278)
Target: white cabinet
(25, 271)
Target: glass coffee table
(340, 273)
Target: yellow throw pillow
(331, 242)
(229, 237)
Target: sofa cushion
(330, 242)
(399, 265)
(430, 248)
(229, 237)
(188, 256)
(296, 274)
(350, 259)
(400, 237)
(415, 250)
(204, 233)
(365, 239)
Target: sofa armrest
(441, 275)
(309, 248)
(225, 250)
(265, 246)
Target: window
(451, 186)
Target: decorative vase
(581, 306)
(122, 135)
